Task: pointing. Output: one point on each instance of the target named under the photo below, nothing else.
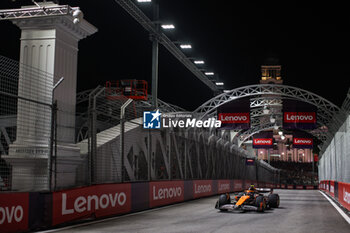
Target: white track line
(341, 212)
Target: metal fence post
(168, 145)
(49, 162)
(91, 133)
(55, 109)
(149, 157)
(89, 147)
(185, 157)
(93, 143)
(122, 128)
(93, 136)
(53, 136)
(256, 170)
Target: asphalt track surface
(304, 211)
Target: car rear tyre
(274, 200)
(223, 200)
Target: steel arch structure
(328, 114)
(268, 89)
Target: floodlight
(78, 16)
(168, 26)
(272, 119)
(185, 46)
(266, 110)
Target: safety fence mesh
(26, 140)
(335, 161)
(45, 146)
(119, 149)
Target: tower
(271, 72)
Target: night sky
(311, 42)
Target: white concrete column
(49, 51)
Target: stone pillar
(49, 48)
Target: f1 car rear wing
(260, 190)
(264, 190)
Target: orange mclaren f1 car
(251, 199)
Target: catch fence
(113, 145)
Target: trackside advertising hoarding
(331, 188)
(202, 188)
(344, 194)
(237, 185)
(224, 186)
(163, 193)
(338, 190)
(299, 115)
(29, 211)
(100, 200)
(14, 208)
(235, 114)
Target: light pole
(156, 36)
(155, 50)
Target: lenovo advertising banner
(14, 212)
(263, 140)
(164, 193)
(331, 188)
(100, 200)
(202, 188)
(237, 185)
(344, 194)
(298, 115)
(235, 114)
(224, 186)
(302, 140)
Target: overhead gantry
(329, 116)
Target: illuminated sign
(249, 161)
(263, 140)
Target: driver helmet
(251, 188)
